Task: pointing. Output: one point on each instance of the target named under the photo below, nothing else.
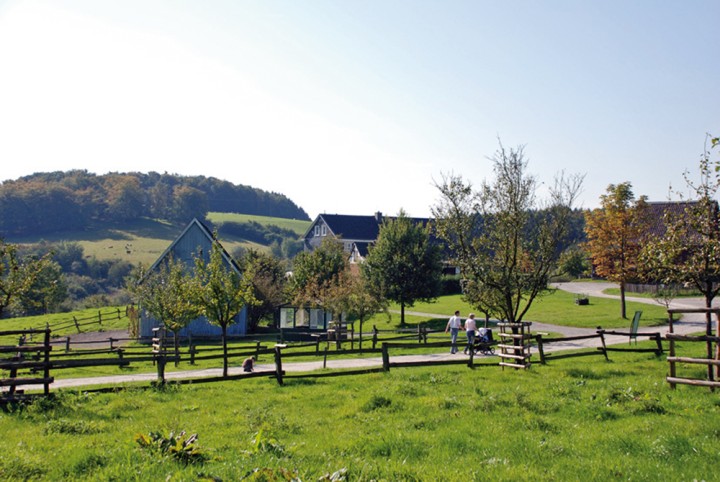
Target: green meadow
(573, 419)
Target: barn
(195, 240)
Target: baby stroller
(484, 342)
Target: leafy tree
(404, 265)
(168, 295)
(223, 292)
(352, 296)
(574, 262)
(689, 250)
(47, 291)
(504, 258)
(17, 275)
(616, 233)
(188, 203)
(315, 272)
(267, 275)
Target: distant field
(144, 240)
(296, 225)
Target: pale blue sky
(357, 106)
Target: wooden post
(671, 355)
(352, 336)
(77, 326)
(67, 343)
(472, 358)
(112, 343)
(325, 358)
(375, 336)
(257, 350)
(385, 357)
(419, 333)
(99, 318)
(46, 371)
(278, 364)
(658, 340)
(541, 352)
(601, 332)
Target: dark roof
(362, 248)
(349, 226)
(657, 211)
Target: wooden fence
(18, 360)
(160, 353)
(712, 356)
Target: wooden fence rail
(19, 362)
(712, 350)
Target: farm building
(196, 239)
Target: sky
(359, 106)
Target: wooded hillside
(58, 201)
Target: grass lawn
(573, 419)
(557, 308)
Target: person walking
(453, 325)
(470, 327)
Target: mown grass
(573, 419)
(558, 308)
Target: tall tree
(616, 232)
(223, 292)
(267, 275)
(505, 252)
(315, 272)
(404, 265)
(17, 275)
(688, 252)
(168, 295)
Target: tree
(688, 252)
(352, 296)
(168, 295)
(17, 276)
(315, 272)
(267, 275)
(223, 292)
(505, 259)
(46, 292)
(616, 233)
(574, 262)
(404, 265)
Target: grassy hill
(142, 241)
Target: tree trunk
(402, 313)
(177, 347)
(623, 312)
(225, 355)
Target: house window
(317, 230)
(324, 230)
(317, 319)
(287, 317)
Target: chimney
(378, 217)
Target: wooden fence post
(257, 350)
(278, 364)
(539, 340)
(67, 343)
(601, 332)
(385, 357)
(99, 318)
(471, 360)
(325, 358)
(658, 340)
(46, 362)
(77, 326)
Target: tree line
(60, 201)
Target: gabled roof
(656, 212)
(348, 226)
(205, 231)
